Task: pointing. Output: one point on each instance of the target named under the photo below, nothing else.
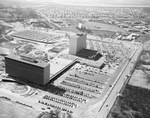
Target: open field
(147, 46)
(103, 33)
(102, 26)
(9, 109)
(140, 79)
(96, 32)
(141, 75)
(143, 38)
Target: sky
(96, 2)
(100, 1)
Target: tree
(2, 30)
(115, 115)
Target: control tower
(77, 43)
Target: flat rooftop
(89, 54)
(58, 64)
(36, 36)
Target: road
(54, 26)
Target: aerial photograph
(74, 58)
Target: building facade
(38, 73)
(77, 43)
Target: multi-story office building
(29, 71)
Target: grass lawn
(141, 75)
(144, 38)
(103, 26)
(103, 33)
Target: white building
(80, 25)
(77, 43)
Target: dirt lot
(141, 75)
(140, 79)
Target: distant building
(80, 25)
(77, 43)
(26, 69)
(123, 25)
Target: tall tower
(77, 43)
